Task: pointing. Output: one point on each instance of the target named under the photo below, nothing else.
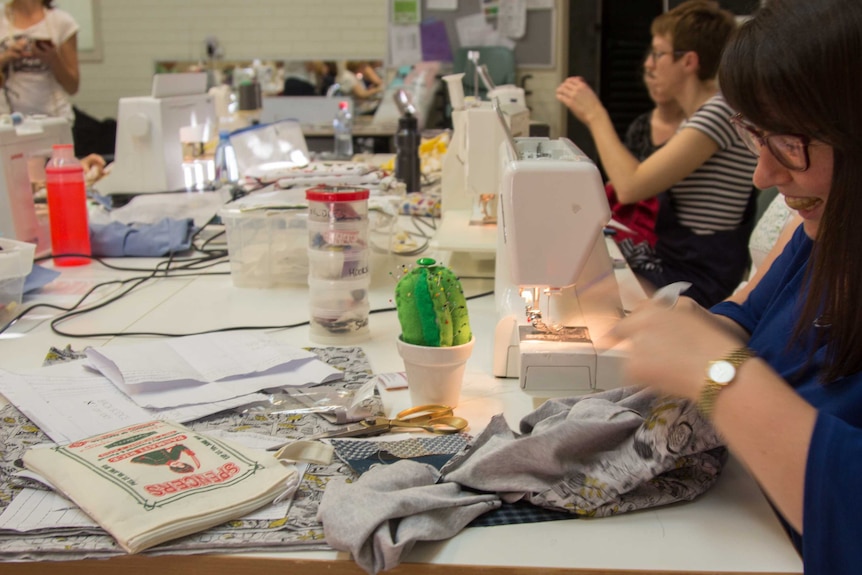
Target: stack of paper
(180, 379)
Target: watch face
(722, 372)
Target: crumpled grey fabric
(596, 455)
(116, 239)
(381, 515)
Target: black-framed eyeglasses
(654, 55)
(791, 150)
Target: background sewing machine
(556, 289)
(25, 148)
(471, 173)
(152, 133)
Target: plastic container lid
(325, 193)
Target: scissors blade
(355, 430)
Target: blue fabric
(832, 512)
(166, 236)
(39, 277)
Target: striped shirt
(715, 195)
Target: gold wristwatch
(720, 374)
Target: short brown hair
(697, 26)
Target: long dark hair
(796, 67)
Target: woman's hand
(669, 349)
(94, 167)
(44, 50)
(14, 51)
(578, 97)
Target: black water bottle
(407, 152)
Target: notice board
(534, 50)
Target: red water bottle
(67, 207)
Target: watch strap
(710, 390)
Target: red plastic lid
(324, 193)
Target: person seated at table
(644, 135)
(784, 367)
(327, 72)
(351, 81)
(299, 79)
(702, 175)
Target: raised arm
(633, 180)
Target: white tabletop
(730, 529)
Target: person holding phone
(38, 59)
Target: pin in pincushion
(431, 306)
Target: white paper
(174, 394)
(405, 46)
(201, 358)
(37, 509)
(512, 18)
(474, 30)
(441, 4)
(68, 403)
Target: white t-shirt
(30, 86)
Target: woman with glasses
(781, 373)
(702, 176)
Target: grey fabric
(594, 456)
(380, 516)
(598, 455)
(117, 239)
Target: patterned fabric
(298, 529)
(362, 455)
(596, 456)
(421, 204)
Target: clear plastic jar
(338, 263)
(339, 310)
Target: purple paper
(435, 41)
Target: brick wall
(137, 33)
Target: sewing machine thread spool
(338, 275)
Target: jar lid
(327, 193)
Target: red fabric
(639, 217)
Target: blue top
(832, 512)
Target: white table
(730, 529)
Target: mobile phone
(44, 44)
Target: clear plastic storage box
(267, 238)
(16, 262)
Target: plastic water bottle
(407, 152)
(342, 126)
(226, 167)
(67, 207)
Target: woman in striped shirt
(702, 176)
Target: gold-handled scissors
(438, 419)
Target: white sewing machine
(152, 132)
(24, 150)
(556, 289)
(471, 173)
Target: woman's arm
(63, 61)
(764, 421)
(635, 181)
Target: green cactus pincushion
(431, 306)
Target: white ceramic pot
(434, 374)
